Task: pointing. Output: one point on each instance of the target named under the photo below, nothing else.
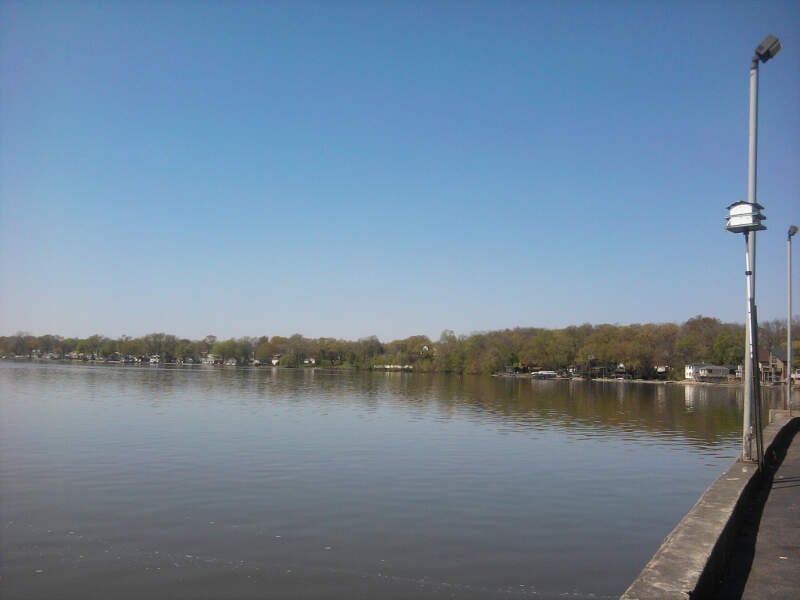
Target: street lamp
(767, 49)
(792, 231)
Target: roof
(778, 353)
(755, 204)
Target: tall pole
(750, 356)
(750, 237)
(746, 217)
(747, 376)
(792, 231)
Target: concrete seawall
(693, 557)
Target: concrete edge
(692, 558)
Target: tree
(153, 343)
(91, 346)
(696, 338)
(131, 346)
(264, 349)
(772, 334)
(185, 349)
(207, 344)
(23, 343)
(289, 360)
(108, 347)
(449, 356)
(728, 347)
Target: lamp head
(792, 231)
(768, 48)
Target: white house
(706, 372)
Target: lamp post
(739, 222)
(792, 231)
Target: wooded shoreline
(652, 351)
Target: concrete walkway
(766, 560)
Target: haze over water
(130, 482)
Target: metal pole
(758, 425)
(789, 321)
(750, 238)
(753, 137)
(747, 427)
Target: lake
(203, 482)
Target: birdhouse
(743, 216)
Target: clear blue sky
(347, 169)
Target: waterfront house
(772, 365)
(706, 372)
(691, 369)
(600, 371)
(210, 359)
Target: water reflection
(700, 414)
(371, 481)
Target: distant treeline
(641, 348)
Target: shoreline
(382, 369)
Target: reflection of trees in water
(707, 415)
(587, 407)
(700, 414)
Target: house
(210, 359)
(600, 371)
(772, 365)
(691, 369)
(706, 372)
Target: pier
(742, 537)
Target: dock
(766, 558)
(742, 537)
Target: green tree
(131, 346)
(264, 350)
(185, 349)
(728, 347)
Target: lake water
(200, 482)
